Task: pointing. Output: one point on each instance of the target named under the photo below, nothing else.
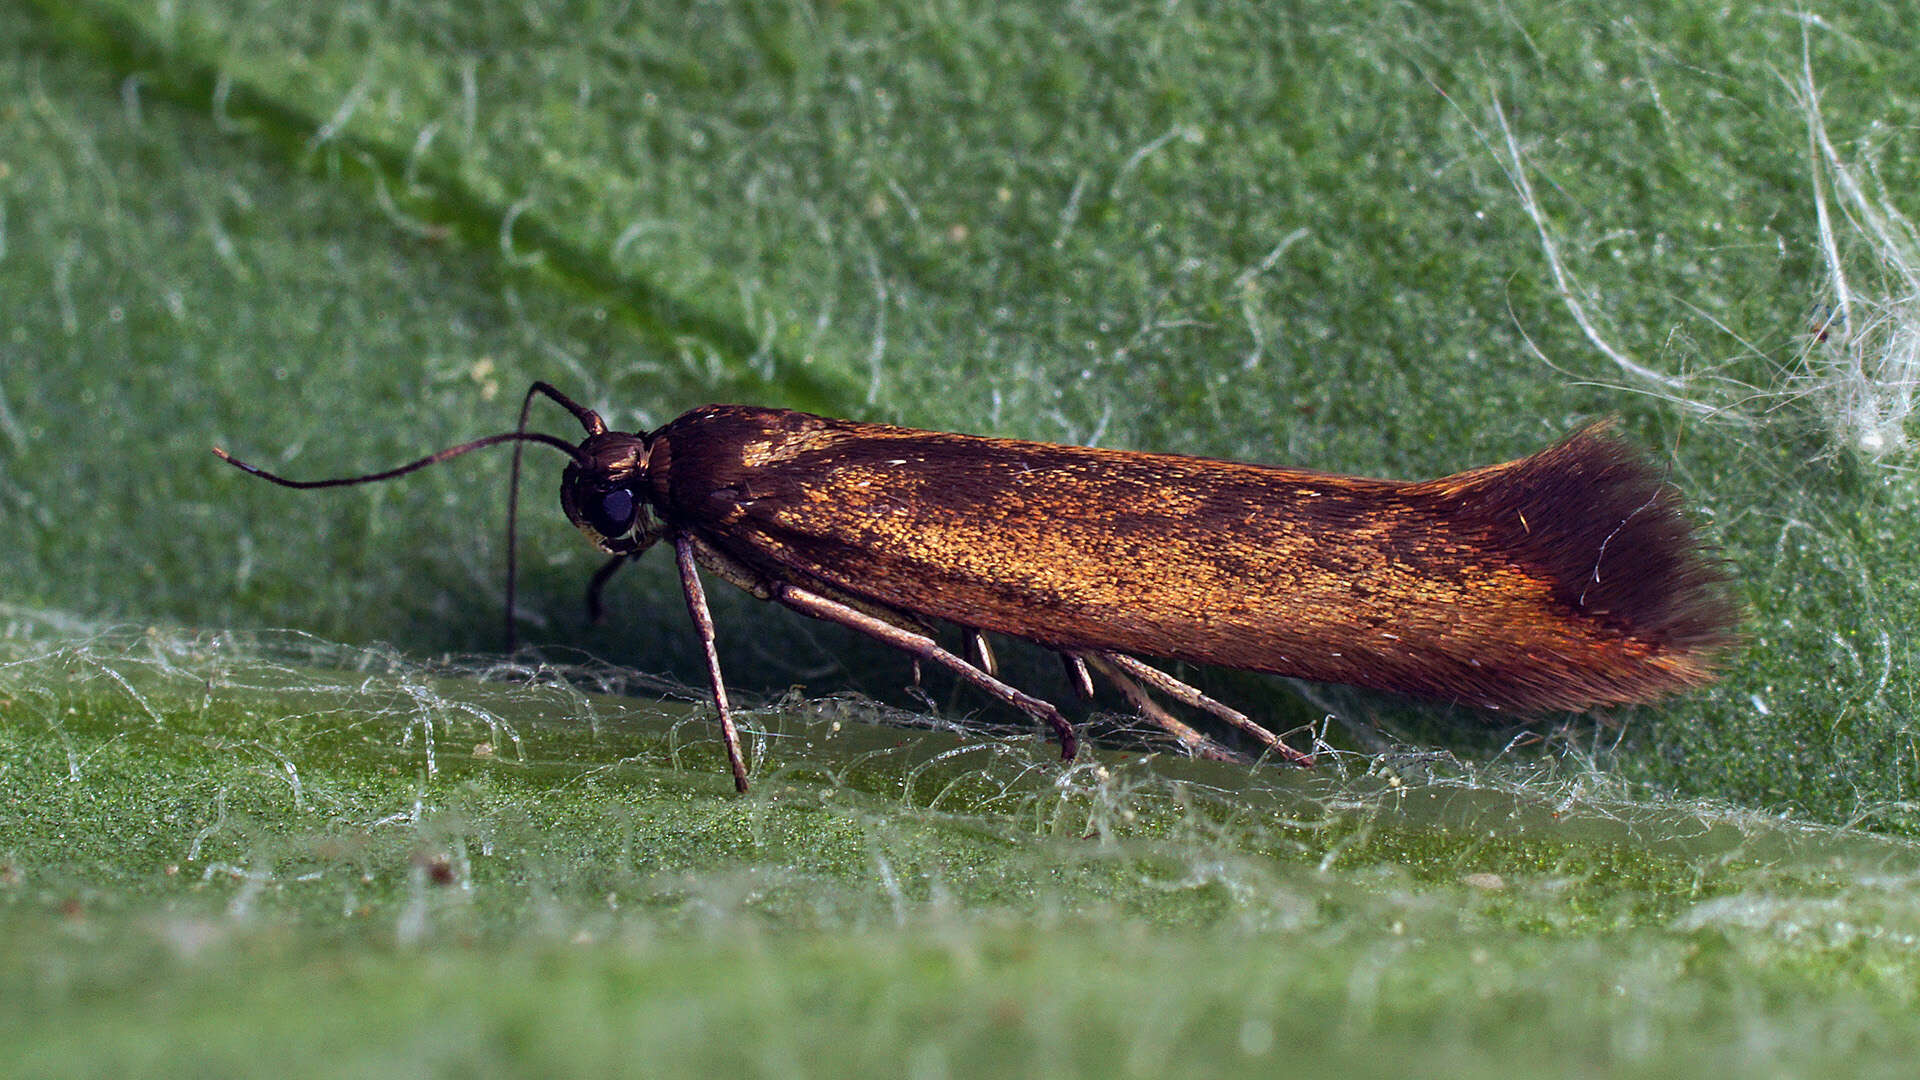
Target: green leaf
(331, 238)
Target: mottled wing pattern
(1563, 580)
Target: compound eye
(611, 513)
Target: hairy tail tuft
(1595, 518)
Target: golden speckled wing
(1563, 580)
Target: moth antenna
(589, 420)
(412, 466)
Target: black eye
(611, 514)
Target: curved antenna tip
(221, 453)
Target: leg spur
(1117, 666)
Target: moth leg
(1192, 741)
(922, 647)
(1077, 675)
(703, 625)
(979, 653)
(596, 611)
(1191, 696)
(982, 653)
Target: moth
(1566, 580)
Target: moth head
(604, 492)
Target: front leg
(703, 625)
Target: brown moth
(1565, 580)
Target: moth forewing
(1432, 588)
